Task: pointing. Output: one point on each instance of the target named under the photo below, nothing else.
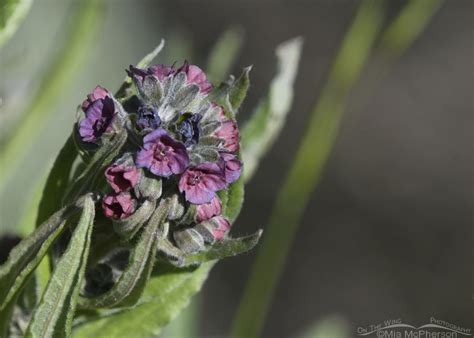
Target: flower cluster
(180, 145)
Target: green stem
(82, 30)
(305, 173)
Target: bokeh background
(388, 230)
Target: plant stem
(306, 170)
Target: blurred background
(387, 232)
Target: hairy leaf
(224, 248)
(165, 296)
(26, 256)
(235, 199)
(55, 313)
(265, 125)
(131, 283)
(239, 89)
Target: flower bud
(118, 205)
(231, 166)
(122, 177)
(189, 240)
(175, 207)
(229, 132)
(208, 210)
(213, 229)
(148, 187)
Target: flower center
(194, 179)
(161, 152)
(99, 126)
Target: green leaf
(54, 314)
(147, 59)
(164, 298)
(235, 199)
(26, 256)
(5, 317)
(261, 131)
(12, 13)
(239, 89)
(224, 248)
(131, 283)
(57, 181)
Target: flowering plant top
(181, 145)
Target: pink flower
(118, 206)
(196, 76)
(121, 177)
(97, 94)
(200, 183)
(208, 210)
(229, 132)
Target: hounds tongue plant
(147, 186)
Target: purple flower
(121, 177)
(196, 76)
(200, 183)
(118, 206)
(97, 94)
(208, 210)
(223, 226)
(158, 71)
(229, 132)
(162, 155)
(231, 166)
(100, 115)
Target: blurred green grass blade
(224, 53)
(265, 124)
(329, 327)
(12, 13)
(75, 49)
(407, 26)
(306, 170)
